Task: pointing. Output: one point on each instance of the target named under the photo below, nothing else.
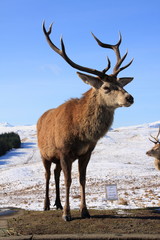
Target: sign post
(111, 192)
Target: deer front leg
(47, 166)
(83, 162)
(57, 172)
(66, 165)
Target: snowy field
(119, 158)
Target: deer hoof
(58, 206)
(46, 208)
(46, 204)
(85, 213)
(67, 218)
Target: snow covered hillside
(119, 158)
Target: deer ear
(93, 81)
(124, 81)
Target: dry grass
(123, 201)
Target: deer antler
(102, 73)
(115, 47)
(63, 54)
(155, 138)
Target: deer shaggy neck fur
(95, 117)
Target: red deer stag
(71, 131)
(155, 151)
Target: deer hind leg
(47, 166)
(66, 165)
(82, 163)
(57, 172)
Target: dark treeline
(9, 141)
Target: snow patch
(119, 158)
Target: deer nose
(147, 153)
(130, 99)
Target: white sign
(111, 192)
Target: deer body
(72, 130)
(80, 122)
(155, 151)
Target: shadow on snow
(16, 152)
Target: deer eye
(107, 89)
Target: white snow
(119, 158)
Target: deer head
(155, 151)
(110, 87)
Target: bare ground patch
(139, 221)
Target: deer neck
(96, 117)
(157, 163)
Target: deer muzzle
(130, 99)
(149, 153)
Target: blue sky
(34, 79)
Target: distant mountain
(5, 124)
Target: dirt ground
(139, 221)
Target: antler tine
(158, 133)
(63, 54)
(57, 50)
(155, 138)
(115, 72)
(152, 140)
(105, 45)
(108, 66)
(115, 47)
